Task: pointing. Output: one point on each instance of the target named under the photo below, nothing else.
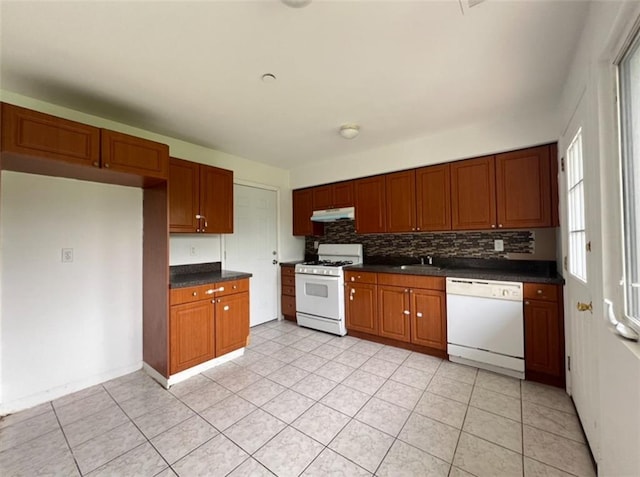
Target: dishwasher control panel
(512, 291)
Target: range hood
(332, 215)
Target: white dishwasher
(485, 325)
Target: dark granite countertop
(181, 276)
(291, 264)
(484, 269)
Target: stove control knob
(505, 292)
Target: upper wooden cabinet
(302, 211)
(523, 188)
(370, 205)
(134, 155)
(433, 198)
(332, 196)
(44, 144)
(473, 194)
(30, 133)
(216, 200)
(400, 189)
(510, 190)
(200, 198)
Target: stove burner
(329, 263)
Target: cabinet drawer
(540, 291)
(231, 287)
(288, 271)
(360, 277)
(291, 291)
(288, 305)
(288, 281)
(191, 294)
(411, 281)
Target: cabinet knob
(418, 228)
(500, 225)
(197, 230)
(526, 302)
(225, 308)
(419, 315)
(353, 279)
(107, 165)
(493, 226)
(96, 163)
(413, 228)
(539, 292)
(406, 290)
(235, 287)
(406, 312)
(195, 294)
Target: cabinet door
(124, 153)
(232, 322)
(394, 310)
(473, 194)
(35, 134)
(184, 195)
(400, 189)
(343, 194)
(523, 187)
(322, 197)
(302, 211)
(370, 205)
(191, 335)
(433, 198)
(216, 200)
(362, 307)
(543, 337)
(428, 318)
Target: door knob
(585, 307)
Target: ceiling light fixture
(349, 131)
(296, 3)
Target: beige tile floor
(300, 402)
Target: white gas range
(320, 288)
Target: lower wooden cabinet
(361, 307)
(394, 313)
(544, 334)
(232, 324)
(191, 335)
(403, 308)
(429, 318)
(288, 292)
(207, 321)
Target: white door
(582, 250)
(253, 248)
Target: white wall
(617, 375)
(66, 326)
(487, 137)
(194, 248)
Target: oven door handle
(322, 278)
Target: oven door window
(319, 296)
(319, 290)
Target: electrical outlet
(316, 244)
(193, 251)
(498, 245)
(67, 255)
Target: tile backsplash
(440, 244)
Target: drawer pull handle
(210, 291)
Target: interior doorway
(253, 247)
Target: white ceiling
(192, 70)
